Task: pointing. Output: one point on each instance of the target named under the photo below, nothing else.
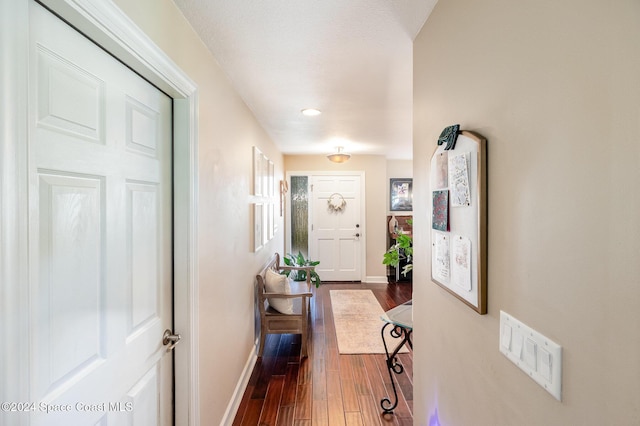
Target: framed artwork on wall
(401, 194)
(258, 171)
(265, 176)
(258, 226)
(264, 199)
(270, 191)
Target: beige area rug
(356, 315)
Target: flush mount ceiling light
(338, 156)
(311, 112)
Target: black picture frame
(401, 194)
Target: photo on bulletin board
(401, 195)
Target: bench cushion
(276, 283)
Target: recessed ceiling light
(311, 112)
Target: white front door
(337, 228)
(100, 255)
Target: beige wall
(555, 88)
(374, 168)
(227, 265)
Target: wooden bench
(273, 321)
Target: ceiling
(351, 59)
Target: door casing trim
(108, 26)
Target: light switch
(517, 345)
(530, 353)
(539, 357)
(506, 337)
(545, 364)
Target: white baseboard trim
(376, 280)
(236, 398)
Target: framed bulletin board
(459, 219)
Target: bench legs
(263, 338)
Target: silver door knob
(168, 338)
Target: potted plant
(401, 250)
(301, 275)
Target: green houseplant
(402, 249)
(301, 275)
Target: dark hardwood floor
(327, 388)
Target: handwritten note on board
(459, 180)
(442, 265)
(461, 265)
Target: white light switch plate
(536, 355)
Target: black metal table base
(393, 365)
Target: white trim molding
(241, 387)
(14, 48)
(374, 279)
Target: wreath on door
(336, 202)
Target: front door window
(300, 215)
